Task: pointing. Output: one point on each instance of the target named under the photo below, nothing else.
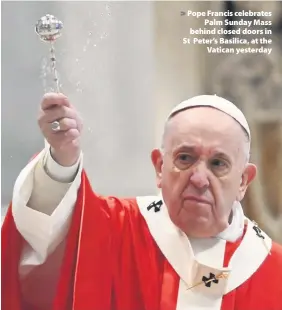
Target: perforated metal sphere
(49, 28)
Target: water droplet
(103, 36)
(78, 87)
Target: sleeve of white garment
(43, 201)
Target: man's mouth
(196, 199)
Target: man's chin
(199, 227)
(198, 232)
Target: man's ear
(247, 177)
(157, 160)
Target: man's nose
(199, 177)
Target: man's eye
(183, 161)
(185, 158)
(219, 164)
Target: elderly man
(191, 247)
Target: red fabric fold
(78, 272)
(11, 247)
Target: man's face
(203, 170)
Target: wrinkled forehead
(207, 125)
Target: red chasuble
(125, 254)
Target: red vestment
(112, 261)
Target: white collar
(208, 254)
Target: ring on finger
(55, 126)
